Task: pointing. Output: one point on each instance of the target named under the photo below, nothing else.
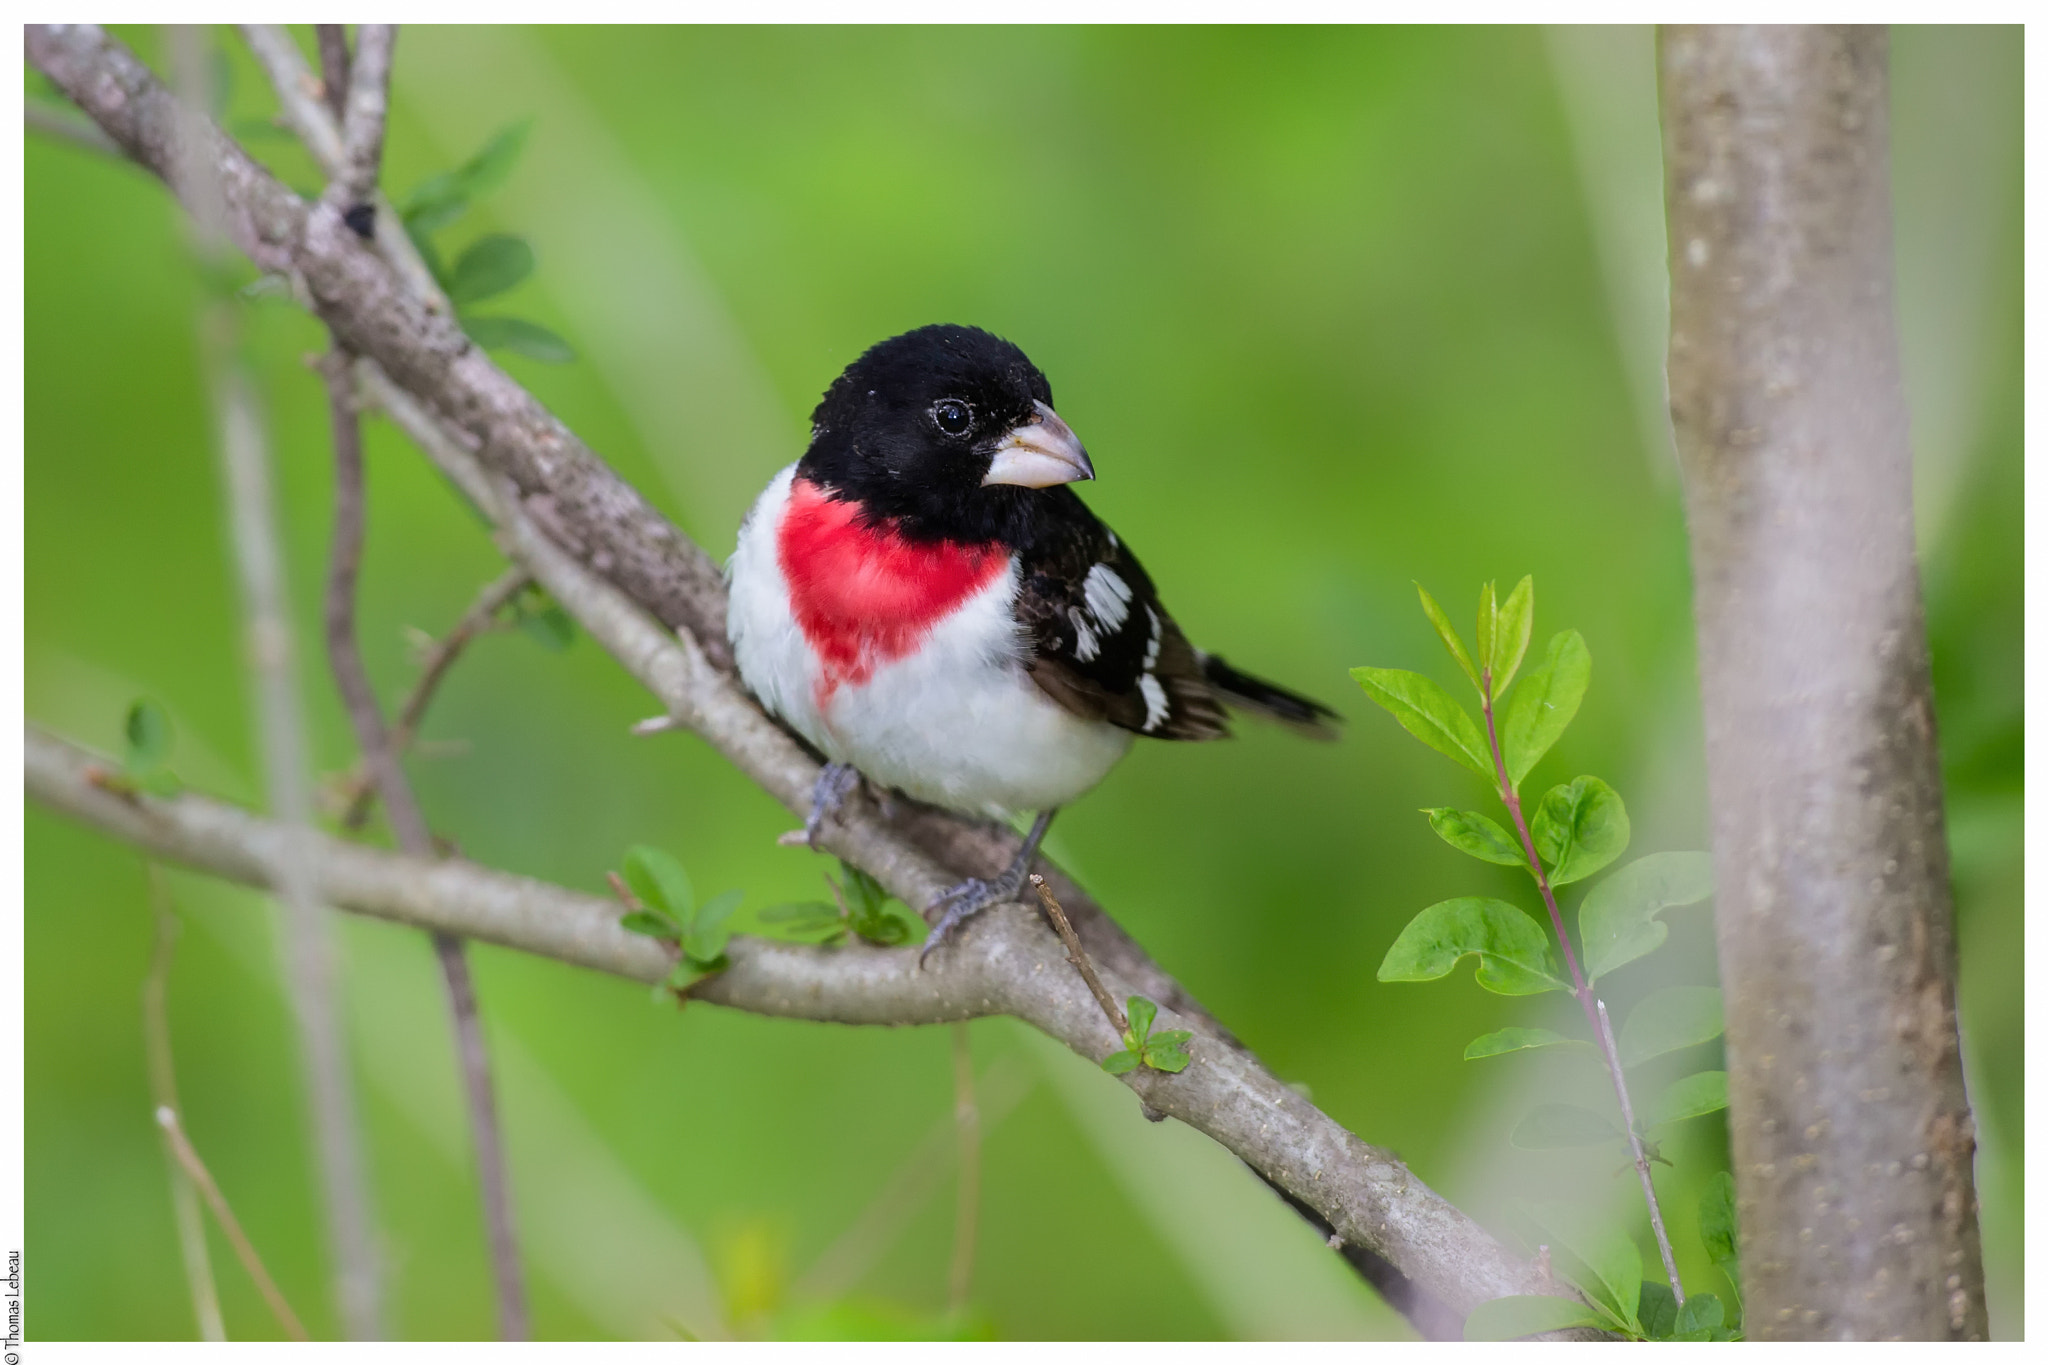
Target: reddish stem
(1596, 1012)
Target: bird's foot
(975, 895)
(968, 899)
(835, 782)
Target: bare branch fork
(656, 602)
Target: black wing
(1102, 644)
(1104, 647)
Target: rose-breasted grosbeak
(923, 598)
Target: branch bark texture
(1852, 1134)
(656, 602)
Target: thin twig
(352, 183)
(344, 656)
(67, 127)
(967, 1206)
(360, 788)
(915, 1180)
(409, 824)
(181, 1148)
(1612, 1051)
(163, 1093)
(299, 98)
(1596, 1012)
(362, 126)
(1079, 957)
(333, 42)
(309, 964)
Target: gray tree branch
(656, 602)
(1370, 1197)
(1852, 1134)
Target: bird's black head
(948, 431)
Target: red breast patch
(864, 595)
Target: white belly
(958, 722)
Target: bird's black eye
(953, 416)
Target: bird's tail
(1291, 709)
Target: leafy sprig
(860, 906)
(1574, 832)
(491, 265)
(1166, 1050)
(146, 741)
(661, 904)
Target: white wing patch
(1152, 646)
(1108, 597)
(1086, 647)
(1156, 706)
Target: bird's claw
(967, 899)
(828, 794)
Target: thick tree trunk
(1852, 1135)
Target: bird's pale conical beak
(1039, 454)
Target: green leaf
(1618, 919)
(1168, 1051)
(1670, 1019)
(1511, 634)
(718, 909)
(517, 335)
(889, 928)
(1447, 634)
(1489, 623)
(1611, 1258)
(1427, 712)
(1514, 952)
(1699, 1318)
(489, 267)
(1525, 1315)
(1117, 1063)
(492, 166)
(1516, 1040)
(708, 933)
(864, 895)
(1580, 828)
(1657, 1309)
(1717, 1219)
(440, 199)
(870, 912)
(1470, 832)
(1544, 704)
(1142, 1012)
(149, 735)
(652, 923)
(550, 626)
(433, 204)
(690, 971)
(1688, 1097)
(1562, 1125)
(802, 919)
(659, 881)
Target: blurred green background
(1335, 310)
